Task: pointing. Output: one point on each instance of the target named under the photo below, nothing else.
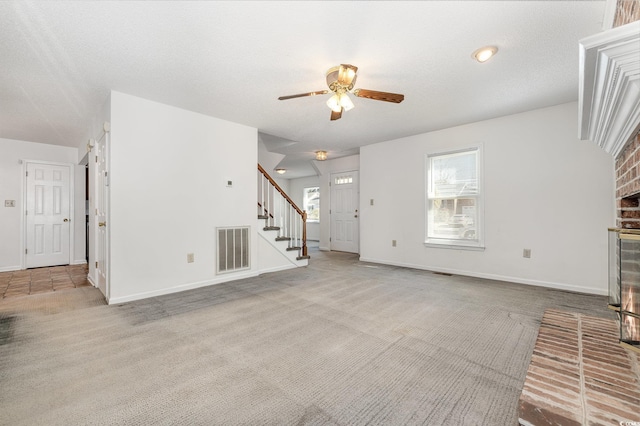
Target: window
(454, 199)
(311, 203)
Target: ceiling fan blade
(302, 95)
(347, 74)
(336, 115)
(379, 96)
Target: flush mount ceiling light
(281, 171)
(484, 53)
(321, 155)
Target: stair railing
(279, 211)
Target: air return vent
(233, 249)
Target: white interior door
(344, 212)
(100, 222)
(48, 218)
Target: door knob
(102, 223)
(355, 216)
(65, 220)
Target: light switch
(9, 203)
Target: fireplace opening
(624, 283)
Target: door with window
(345, 227)
(48, 214)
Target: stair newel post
(294, 221)
(304, 232)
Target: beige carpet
(339, 342)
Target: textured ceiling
(59, 60)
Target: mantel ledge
(609, 93)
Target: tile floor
(42, 280)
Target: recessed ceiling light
(321, 155)
(281, 171)
(484, 53)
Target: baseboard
(183, 287)
(277, 268)
(517, 280)
(324, 248)
(90, 279)
(10, 268)
(79, 262)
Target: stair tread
(262, 216)
(303, 257)
(293, 248)
(283, 238)
(271, 228)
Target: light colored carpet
(339, 342)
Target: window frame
(304, 205)
(457, 243)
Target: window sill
(453, 245)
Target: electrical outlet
(190, 258)
(393, 243)
(526, 253)
(9, 203)
(371, 202)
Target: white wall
(296, 188)
(544, 190)
(11, 188)
(343, 164)
(169, 169)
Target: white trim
(278, 268)
(90, 279)
(516, 280)
(79, 262)
(609, 89)
(609, 14)
(454, 246)
(72, 208)
(179, 288)
(11, 268)
(475, 244)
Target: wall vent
(233, 249)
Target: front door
(48, 219)
(344, 212)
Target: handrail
(284, 194)
(302, 213)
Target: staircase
(285, 225)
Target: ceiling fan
(341, 80)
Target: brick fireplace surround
(628, 185)
(579, 375)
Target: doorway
(345, 227)
(48, 214)
(100, 213)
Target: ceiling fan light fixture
(281, 171)
(334, 103)
(484, 53)
(321, 155)
(345, 102)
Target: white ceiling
(59, 60)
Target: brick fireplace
(628, 185)
(579, 373)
